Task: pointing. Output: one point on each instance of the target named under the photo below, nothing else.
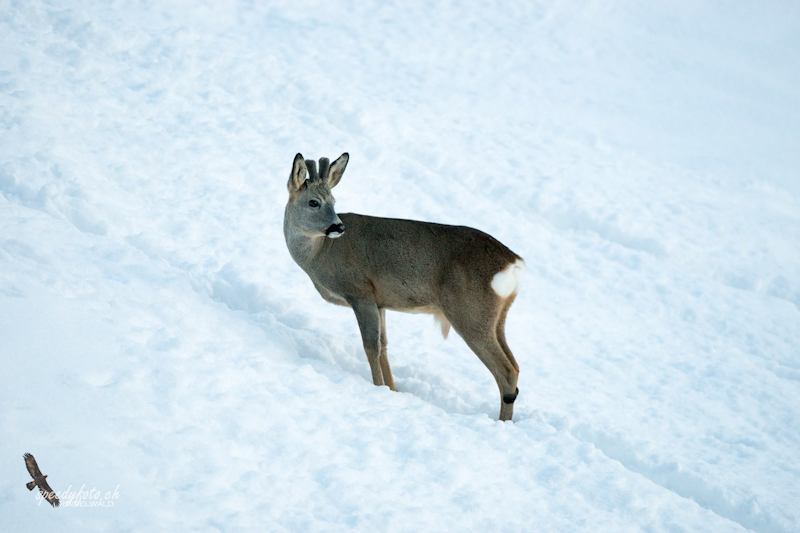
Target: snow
(157, 337)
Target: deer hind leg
(388, 380)
(478, 328)
(500, 330)
(507, 405)
(369, 322)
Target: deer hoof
(509, 398)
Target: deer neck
(302, 247)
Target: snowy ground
(156, 337)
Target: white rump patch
(506, 282)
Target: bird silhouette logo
(39, 480)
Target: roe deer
(462, 276)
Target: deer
(464, 277)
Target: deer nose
(334, 231)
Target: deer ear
(298, 176)
(337, 169)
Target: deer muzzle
(334, 231)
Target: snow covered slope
(156, 337)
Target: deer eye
(313, 203)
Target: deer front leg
(385, 369)
(369, 322)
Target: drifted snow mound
(159, 345)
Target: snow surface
(156, 336)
